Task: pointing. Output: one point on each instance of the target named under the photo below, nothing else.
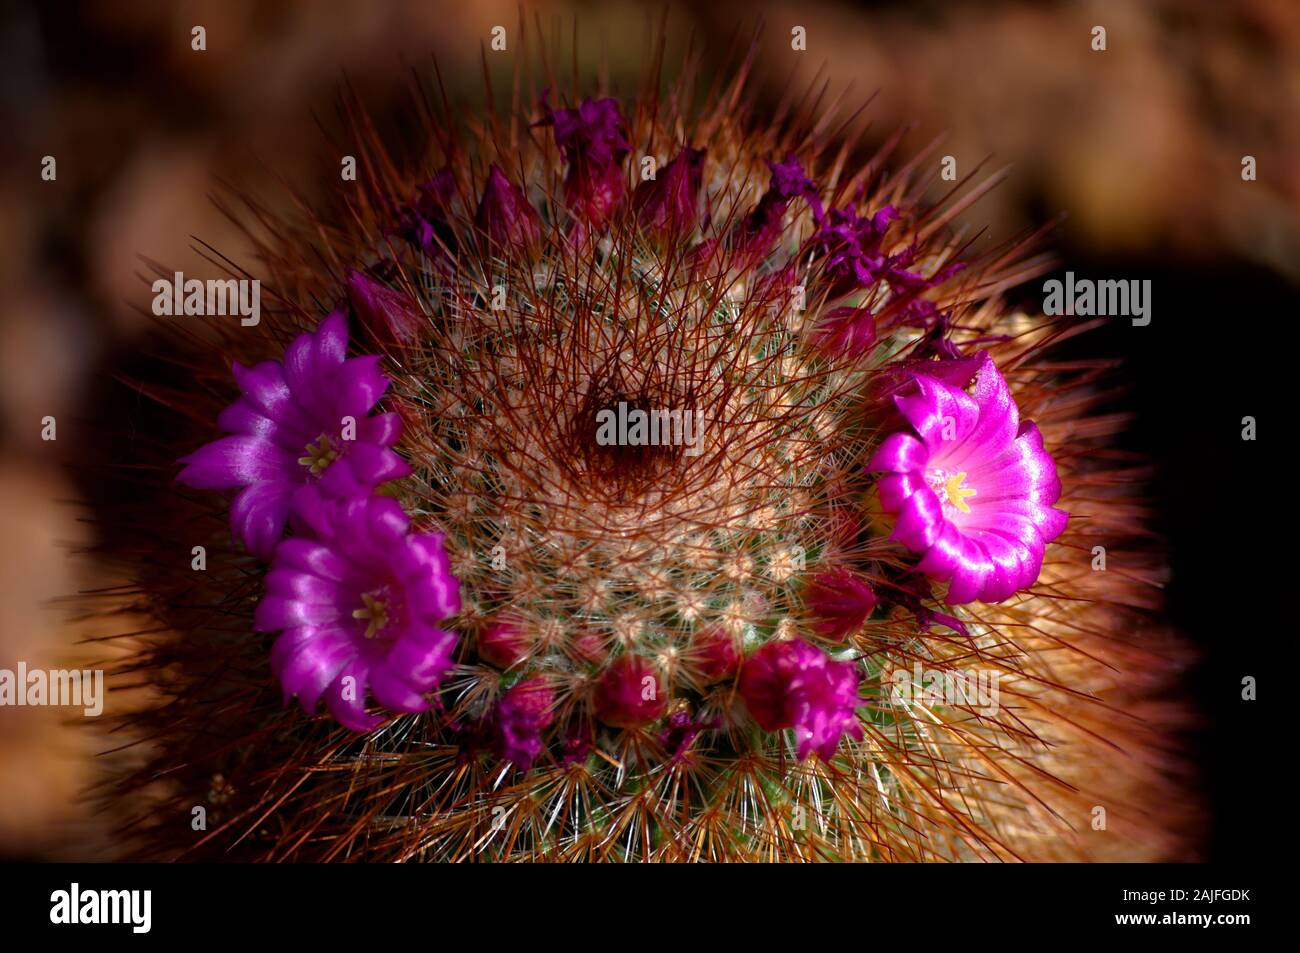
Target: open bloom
(792, 684)
(358, 600)
(972, 488)
(297, 422)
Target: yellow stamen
(375, 613)
(957, 493)
(320, 454)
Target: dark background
(1139, 147)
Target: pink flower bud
(841, 603)
(715, 654)
(388, 315)
(504, 213)
(669, 203)
(594, 143)
(630, 693)
(846, 332)
(588, 647)
(504, 643)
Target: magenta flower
(669, 203)
(594, 143)
(852, 245)
(630, 693)
(299, 422)
(792, 684)
(358, 601)
(841, 602)
(906, 284)
(754, 235)
(973, 488)
(855, 257)
(760, 229)
(504, 213)
(520, 717)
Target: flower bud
(630, 693)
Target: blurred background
(1140, 147)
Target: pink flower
(854, 256)
(388, 315)
(792, 684)
(594, 143)
(588, 648)
(358, 602)
(520, 717)
(681, 731)
(424, 221)
(761, 228)
(972, 487)
(846, 332)
(630, 693)
(300, 421)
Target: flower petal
(944, 416)
(357, 386)
(347, 700)
(422, 656)
(920, 518)
(973, 570)
(233, 461)
(313, 557)
(382, 429)
(265, 388)
(362, 467)
(899, 453)
(311, 664)
(392, 689)
(274, 613)
(258, 516)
